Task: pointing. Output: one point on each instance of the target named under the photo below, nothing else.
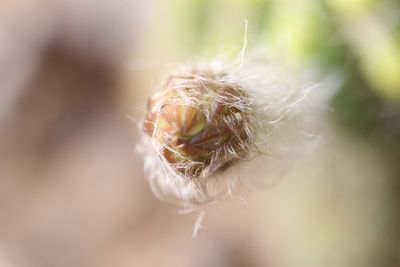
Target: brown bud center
(200, 127)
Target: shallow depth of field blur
(74, 78)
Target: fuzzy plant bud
(206, 125)
(200, 122)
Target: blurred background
(74, 78)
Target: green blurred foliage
(357, 39)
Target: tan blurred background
(74, 78)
